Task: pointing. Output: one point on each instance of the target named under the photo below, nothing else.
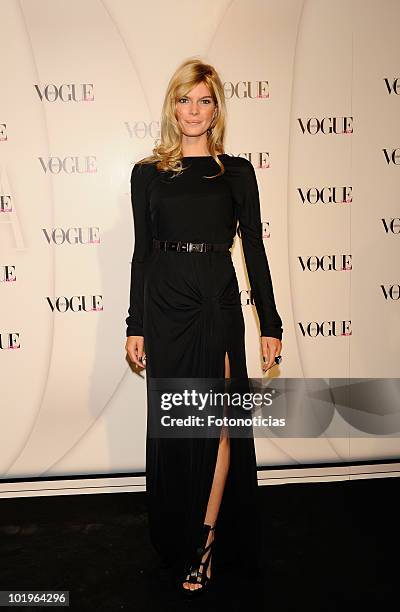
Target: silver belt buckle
(197, 247)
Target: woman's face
(195, 111)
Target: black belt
(191, 247)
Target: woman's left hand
(271, 347)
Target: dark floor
(327, 547)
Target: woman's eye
(185, 100)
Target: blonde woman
(185, 321)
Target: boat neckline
(201, 156)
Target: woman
(185, 320)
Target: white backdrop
(313, 96)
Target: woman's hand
(271, 347)
(135, 348)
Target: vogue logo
(246, 89)
(247, 298)
(326, 195)
(260, 160)
(9, 340)
(141, 129)
(3, 131)
(393, 87)
(7, 274)
(69, 165)
(67, 92)
(326, 263)
(391, 225)
(76, 303)
(327, 125)
(72, 235)
(391, 292)
(327, 329)
(264, 229)
(5, 203)
(265, 232)
(392, 157)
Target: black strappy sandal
(198, 570)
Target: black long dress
(187, 307)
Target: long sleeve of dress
(254, 253)
(142, 228)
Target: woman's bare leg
(218, 485)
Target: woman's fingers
(135, 349)
(271, 347)
(269, 360)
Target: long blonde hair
(168, 152)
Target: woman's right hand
(135, 349)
